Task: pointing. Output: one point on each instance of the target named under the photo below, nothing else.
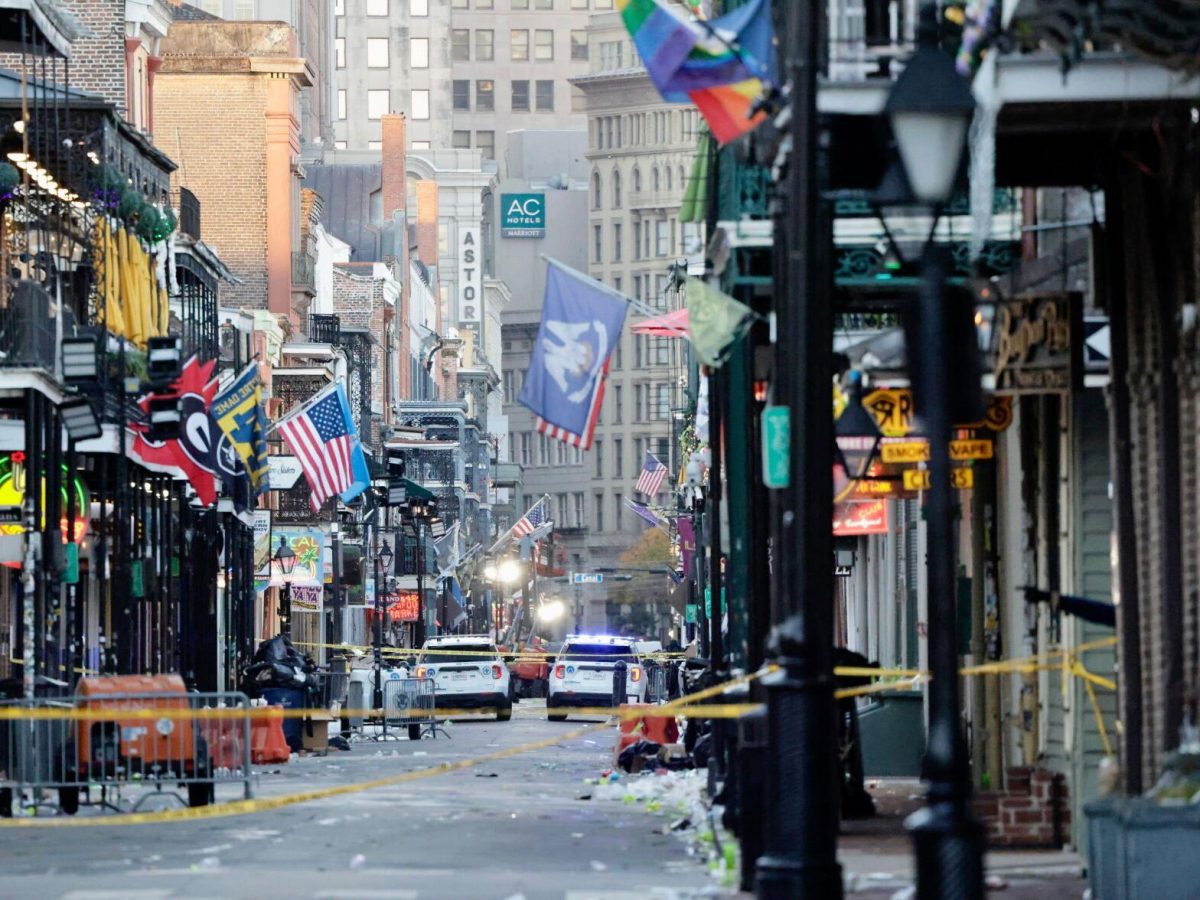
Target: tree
(648, 595)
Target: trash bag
(702, 750)
(638, 756)
(278, 664)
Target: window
(691, 237)
(543, 44)
(459, 140)
(597, 192)
(670, 187)
(617, 283)
(577, 510)
(637, 363)
(519, 39)
(485, 94)
(520, 96)
(598, 447)
(617, 353)
(618, 405)
(618, 458)
(420, 104)
(378, 103)
(541, 450)
(543, 4)
(579, 41)
(637, 179)
(579, 4)
(485, 44)
(597, 244)
(616, 188)
(619, 509)
(462, 94)
(459, 4)
(520, 4)
(639, 405)
(599, 500)
(460, 44)
(374, 145)
(603, 4)
(418, 7)
(660, 237)
(654, 179)
(616, 244)
(339, 145)
(659, 351)
(420, 145)
(545, 96)
(339, 52)
(377, 53)
(341, 95)
(339, 7)
(660, 408)
(484, 4)
(377, 7)
(526, 452)
(637, 254)
(612, 55)
(561, 453)
(243, 9)
(418, 53)
(486, 141)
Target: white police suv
(582, 674)
(468, 672)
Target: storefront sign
(919, 479)
(853, 519)
(894, 412)
(470, 276)
(283, 472)
(522, 215)
(309, 546)
(262, 541)
(1035, 347)
(402, 606)
(306, 598)
(918, 451)
(13, 475)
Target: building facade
(464, 72)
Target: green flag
(715, 320)
(695, 196)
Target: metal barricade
(407, 703)
(656, 684)
(76, 748)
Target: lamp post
(856, 434)
(930, 109)
(286, 558)
(420, 510)
(383, 560)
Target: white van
(468, 672)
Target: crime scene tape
(519, 654)
(244, 807)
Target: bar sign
(919, 480)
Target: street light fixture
(856, 433)
(286, 558)
(930, 107)
(383, 557)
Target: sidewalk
(877, 858)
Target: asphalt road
(507, 828)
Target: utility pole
(801, 824)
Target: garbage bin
(288, 698)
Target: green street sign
(691, 614)
(776, 446)
(135, 579)
(708, 602)
(71, 564)
(522, 215)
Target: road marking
(148, 894)
(344, 894)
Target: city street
(504, 828)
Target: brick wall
(1032, 811)
(395, 163)
(358, 301)
(98, 62)
(427, 222)
(214, 126)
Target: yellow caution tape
(243, 807)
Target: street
(505, 828)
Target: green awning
(695, 197)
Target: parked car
(468, 672)
(582, 674)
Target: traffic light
(163, 416)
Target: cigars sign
(1035, 344)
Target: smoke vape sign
(522, 215)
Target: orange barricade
(267, 743)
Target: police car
(582, 674)
(468, 672)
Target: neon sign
(12, 493)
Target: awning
(672, 324)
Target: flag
(581, 324)
(322, 435)
(192, 452)
(651, 479)
(721, 66)
(715, 321)
(529, 522)
(239, 414)
(446, 549)
(644, 512)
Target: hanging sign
(1035, 346)
(282, 472)
(918, 451)
(470, 276)
(894, 412)
(919, 479)
(776, 438)
(853, 519)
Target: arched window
(637, 179)
(616, 186)
(654, 184)
(597, 191)
(682, 179)
(670, 179)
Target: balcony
(189, 213)
(27, 339)
(324, 329)
(655, 199)
(304, 273)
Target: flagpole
(307, 404)
(636, 305)
(501, 541)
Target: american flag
(651, 479)
(322, 437)
(531, 520)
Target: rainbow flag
(722, 66)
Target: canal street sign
(522, 215)
(587, 578)
(918, 479)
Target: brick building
(244, 77)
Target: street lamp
(930, 108)
(383, 558)
(286, 558)
(856, 433)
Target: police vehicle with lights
(468, 672)
(582, 674)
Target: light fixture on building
(80, 419)
(80, 360)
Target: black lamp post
(856, 433)
(383, 560)
(286, 558)
(420, 510)
(930, 109)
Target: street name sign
(776, 446)
(587, 578)
(919, 480)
